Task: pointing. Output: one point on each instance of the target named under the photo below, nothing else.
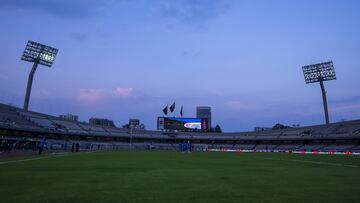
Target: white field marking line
(315, 162)
(44, 157)
(31, 159)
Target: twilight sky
(122, 59)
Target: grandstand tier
(17, 124)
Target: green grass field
(161, 176)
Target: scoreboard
(182, 124)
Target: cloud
(43, 94)
(91, 95)
(193, 11)
(347, 100)
(103, 95)
(78, 36)
(239, 105)
(346, 108)
(63, 8)
(123, 92)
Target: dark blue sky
(122, 59)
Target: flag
(165, 110)
(181, 111)
(172, 107)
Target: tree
(217, 129)
(280, 126)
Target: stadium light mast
(38, 54)
(319, 73)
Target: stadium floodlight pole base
(323, 91)
(29, 84)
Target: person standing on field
(42, 145)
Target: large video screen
(182, 124)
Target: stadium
(49, 158)
(24, 127)
(312, 163)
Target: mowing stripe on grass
(315, 162)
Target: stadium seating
(286, 147)
(342, 136)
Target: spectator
(77, 147)
(1, 145)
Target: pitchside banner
(182, 124)
(319, 72)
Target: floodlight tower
(38, 54)
(320, 72)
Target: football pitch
(164, 176)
